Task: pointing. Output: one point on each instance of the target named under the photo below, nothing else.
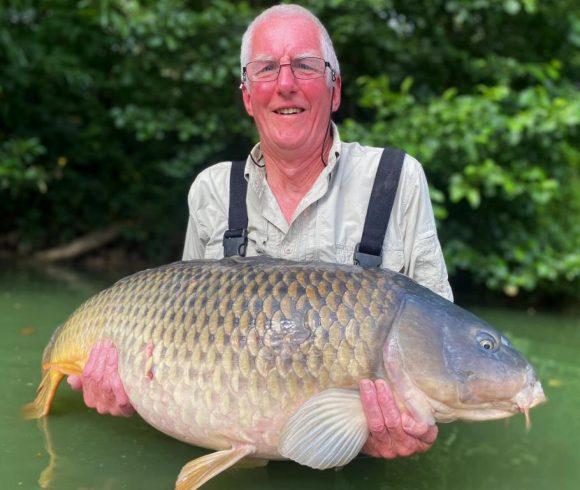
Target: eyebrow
(306, 54)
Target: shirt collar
(258, 168)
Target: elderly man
(302, 194)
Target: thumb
(75, 382)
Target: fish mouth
(425, 408)
(528, 398)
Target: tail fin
(44, 395)
(53, 374)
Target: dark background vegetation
(108, 109)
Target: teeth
(289, 110)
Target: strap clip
(235, 242)
(366, 260)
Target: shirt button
(287, 251)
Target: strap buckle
(366, 260)
(235, 242)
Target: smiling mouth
(288, 111)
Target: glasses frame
(245, 76)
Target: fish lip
(532, 394)
(449, 414)
(530, 397)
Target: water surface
(90, 451)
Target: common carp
(259, 357)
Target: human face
(302, 132)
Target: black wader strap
(368, 252)
(236, 238)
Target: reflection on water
(46, 476)
(75, 448)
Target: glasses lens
(304, 68)
(262, 71)
(308, 67)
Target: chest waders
(368, 252)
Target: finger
(378, 449)
(100, 354)
(371, 407)
(88, 396)
(95, 392)
(430, 436)
(127, 410)
(75, 382)
(420, 430)
(102, 409)
(389, 409)
(370, 449)
(90, 364)
(412, 426)
(407, 448)
(120, 393)
(423, 447)
(111, 357)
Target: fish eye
(486, 342)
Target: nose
(286, 80)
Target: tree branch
(82, 245)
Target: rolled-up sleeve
(423, 255)
(208, 202)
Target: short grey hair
(289, 10)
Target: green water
(102, 452)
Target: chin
(290, 144)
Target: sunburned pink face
(291, 114)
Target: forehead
(291, 36)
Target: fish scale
(263, 357)
(237, 344)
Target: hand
(100, 382)
(392, 433)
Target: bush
(108, 110)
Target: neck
(291, 176)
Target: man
(307, 197)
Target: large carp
(261, 357)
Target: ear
(337, 91)
(247, 98)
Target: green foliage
(501, 153)
(109, 109)
(18, 170)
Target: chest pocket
(393, 259)
(344, 253)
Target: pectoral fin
(195, 473)
(327, 431)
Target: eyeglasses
(305, 68)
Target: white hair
(290, 10)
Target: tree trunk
(82, 245)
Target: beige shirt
(328, 223)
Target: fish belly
(214, 353)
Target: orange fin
(65, 367)
(53, 374)
(195, 473)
